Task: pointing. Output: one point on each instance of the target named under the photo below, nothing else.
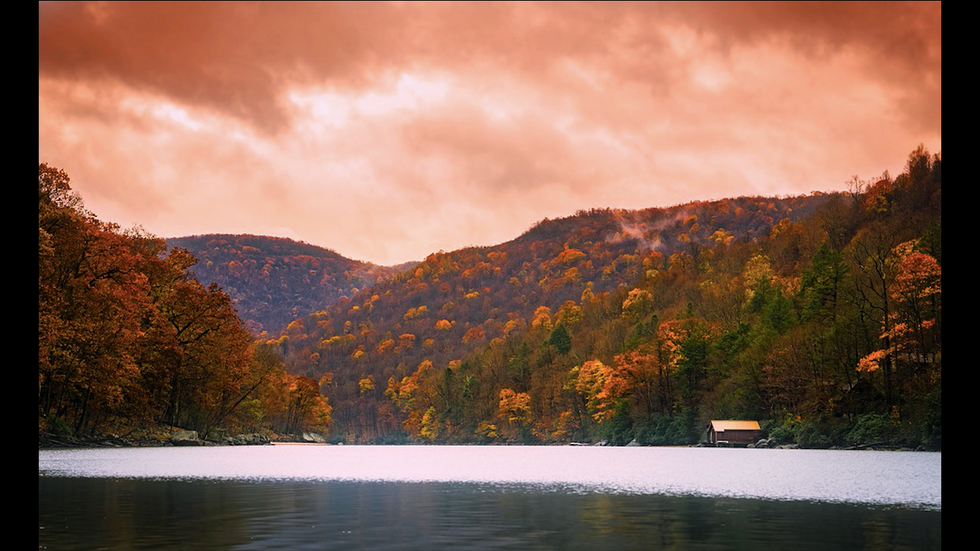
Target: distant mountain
(274, 280)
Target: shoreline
(55, 442)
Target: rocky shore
(178, 438)
(175, 437)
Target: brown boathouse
(734, 433)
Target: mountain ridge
(274, 280)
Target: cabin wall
(740, 436)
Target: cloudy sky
(386, 131)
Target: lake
(487, 497)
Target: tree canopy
(128, 337)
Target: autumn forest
(819, 316)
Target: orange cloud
(387, 130)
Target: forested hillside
(454, 304)
(130, 342)
(272, 280)
(819, 315)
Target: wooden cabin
(734, 433)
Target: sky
(388, 131)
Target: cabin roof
(734, 425)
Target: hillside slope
(455, 303)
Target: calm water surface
(422, 497)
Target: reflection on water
(418, 497)
(97, 513)
(906, 478)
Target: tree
(125, 333)
(874, 257)
(560, 339)
(514, 408)
(306, 409)
(92, 299)
(820, 285)
(638, 305)
(911, 336)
